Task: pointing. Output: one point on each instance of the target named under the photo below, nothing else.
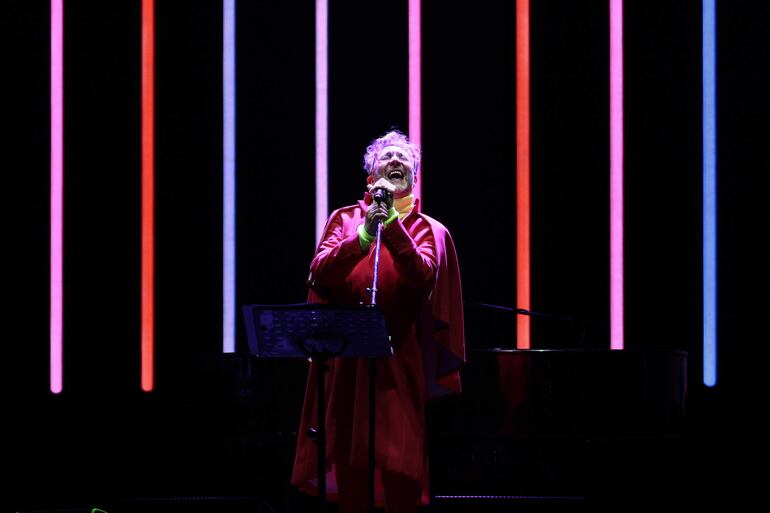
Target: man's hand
(387, 188)
(378, 212)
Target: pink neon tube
(415, 82)
(57, 195)
(321, 116)
(616, 174)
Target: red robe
(420, 294)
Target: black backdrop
(202, 425)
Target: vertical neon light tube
(57, 194)
(616, 174)
(321, 116)
(522, 174)
(709, 195)
(228, 167)
(415, 82)
(148, 194)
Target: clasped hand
(378, 211)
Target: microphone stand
(373, 302)
(580, 323)
(376, 264)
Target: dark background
(224, 425)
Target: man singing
(418, 289)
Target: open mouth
(396, 174)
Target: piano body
(570, 426)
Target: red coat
(419, 291)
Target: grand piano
(566, 427)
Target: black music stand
(321, 332)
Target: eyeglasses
(390, 154)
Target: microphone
(378, 196)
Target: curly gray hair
(392, 138)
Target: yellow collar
(403, 205)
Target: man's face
(394, 163)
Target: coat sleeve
(443, 333)
(337, 254)
(414, 256)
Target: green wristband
(364, 239)
(393, 215)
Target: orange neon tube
(148, 193)
(522, 174)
